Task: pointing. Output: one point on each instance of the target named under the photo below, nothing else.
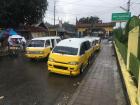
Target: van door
(47, 47)
(82, 54)
(88, 51)
(93, 46)
(53, 43)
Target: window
(47, 43)
(86, 45)
(58, 40)
(53, 43)
(65, 50)
(36, 43)
(82, 49)
(93, 43)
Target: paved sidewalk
(102, 84)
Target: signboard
(121, 17)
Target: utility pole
(54, 11)
(128, 4)
(126, 9)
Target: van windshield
(36, 43)
(65, 50)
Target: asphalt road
(25, 82)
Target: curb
(129, 83)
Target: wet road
(23, 82)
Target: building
(30, 32)
(100, 29)
(64, 30)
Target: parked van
(41, 47)
(92, 41)
(97, 42)
(70, 56)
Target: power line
(54, 12)
(105, 10)
(128, 6)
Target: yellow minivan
(41, 47)
(92, 41)
(97, 43)
(70, 56)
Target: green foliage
(119, 35)
(69, 27)
(121, 40)
(122, 34)
(89, 20)
(15, 12)
(122, 49)
(134, 66)
(132, 23)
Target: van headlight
(73, 63)
(51, 59)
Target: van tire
(81, 69)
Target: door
(47, 47)
(83, 55)
(53, 43)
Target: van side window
(47, 43)
(82, 49)
(93, 43)
(96, 41)
(53, 43)
(58, 40)
(87, 45)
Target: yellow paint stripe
(132, 90)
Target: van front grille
(61, 67)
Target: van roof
(97, 38)
(91, 38)
(46, 38)
(72, 42)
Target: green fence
(134, 66)
(122, 49)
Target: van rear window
(36, 43)
(65, 50)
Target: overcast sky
(68, 10)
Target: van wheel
(81, 69)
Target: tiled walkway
(102, 84)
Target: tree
(16, 12)
(69, 27)
(90, 19)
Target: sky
(69, 10)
